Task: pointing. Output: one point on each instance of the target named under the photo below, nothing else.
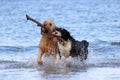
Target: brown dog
(47, 46)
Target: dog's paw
(57, 60)
(40, 62)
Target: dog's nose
(45, 24)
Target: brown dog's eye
(50, 24)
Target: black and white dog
(68, 46)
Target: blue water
(96, 21)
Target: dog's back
(80, 48)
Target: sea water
(97, 21)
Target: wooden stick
(38, 23)
(33, 20)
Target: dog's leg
(39, 59)
(57, 59)
(58, 55)
(69, 59)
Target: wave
(17, 48)
(7, 64)
(115, 43)
(4, 64)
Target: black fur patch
(79, 48)
(65, 34)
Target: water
(96, 21)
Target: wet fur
(69, 47)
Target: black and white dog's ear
(65, 34)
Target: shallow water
(96, 21)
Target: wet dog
(47, 46)
(68, 46)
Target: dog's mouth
(57, 36)
(43, 30)
(55, 39)
(58, 39)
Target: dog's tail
(86, 44)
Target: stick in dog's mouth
(38, 23)
(33, 20)
(57, 38)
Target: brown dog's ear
(56, 27)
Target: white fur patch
(65, 49)
(57, 33)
